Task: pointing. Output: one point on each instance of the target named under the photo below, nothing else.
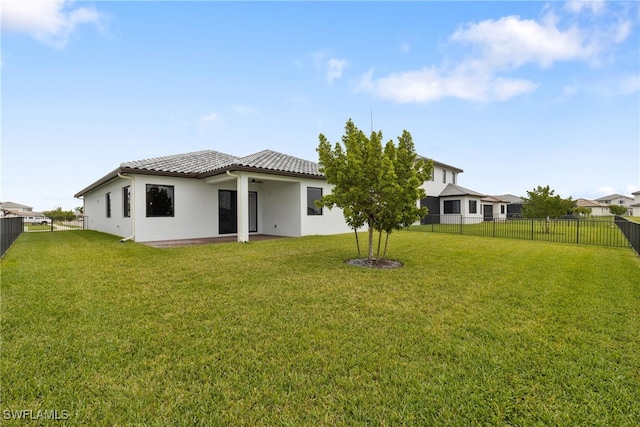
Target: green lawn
(471, 331)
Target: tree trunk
(370, 256)
(355, 230)
(379, 242)
(386, 243)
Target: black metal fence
(631, 231)
(49, 224)
(10, 229)
(604, 231)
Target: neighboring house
(211, 194)
(617, 199)
(11, 209)
(514, 205)
(443, 175)
(15, 207)
(635, 206)
(457, 201)
(597, 208)
(494, 208)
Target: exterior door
(228, 211)
(488, 212)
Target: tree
(373, 186)
(541, 203)
(582, 211)
(617, 209)
(59, 215)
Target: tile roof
(510, 198)
(612, 197)
(586, 203)
(200, 164)
(272, 160)
(188, 163)
(203, 162)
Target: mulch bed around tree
(376, 263)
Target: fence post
(578, 230)
(532, 226)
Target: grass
(471, 331)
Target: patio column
(243, 208)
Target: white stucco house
(617, 199)
(212, 194)
(597, 208)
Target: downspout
(132, 203)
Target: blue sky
(517, 94)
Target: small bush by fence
(10, 229)
(604, 231)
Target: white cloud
(577, 6)
(332, 68)
(629, 85)
(49, 21)
(431, 84)
(207, 120)
(495, 48)
(511, 42)
(243, 110)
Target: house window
(453, 178)
(107, 201)
(159, 200)
(126, 202)
(444, 176)
(502, 209)
(473, 206)
(452, 206)
(313, 194)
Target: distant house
(617, 199)
(597, 208)
(635, 206)
(514, 205)
(11, 209)
(458, 201)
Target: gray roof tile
(272, 160)
(189, 163)
(200, 162)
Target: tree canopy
(374, 185)
(59, 215)
(617, 209)
(543, 203)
